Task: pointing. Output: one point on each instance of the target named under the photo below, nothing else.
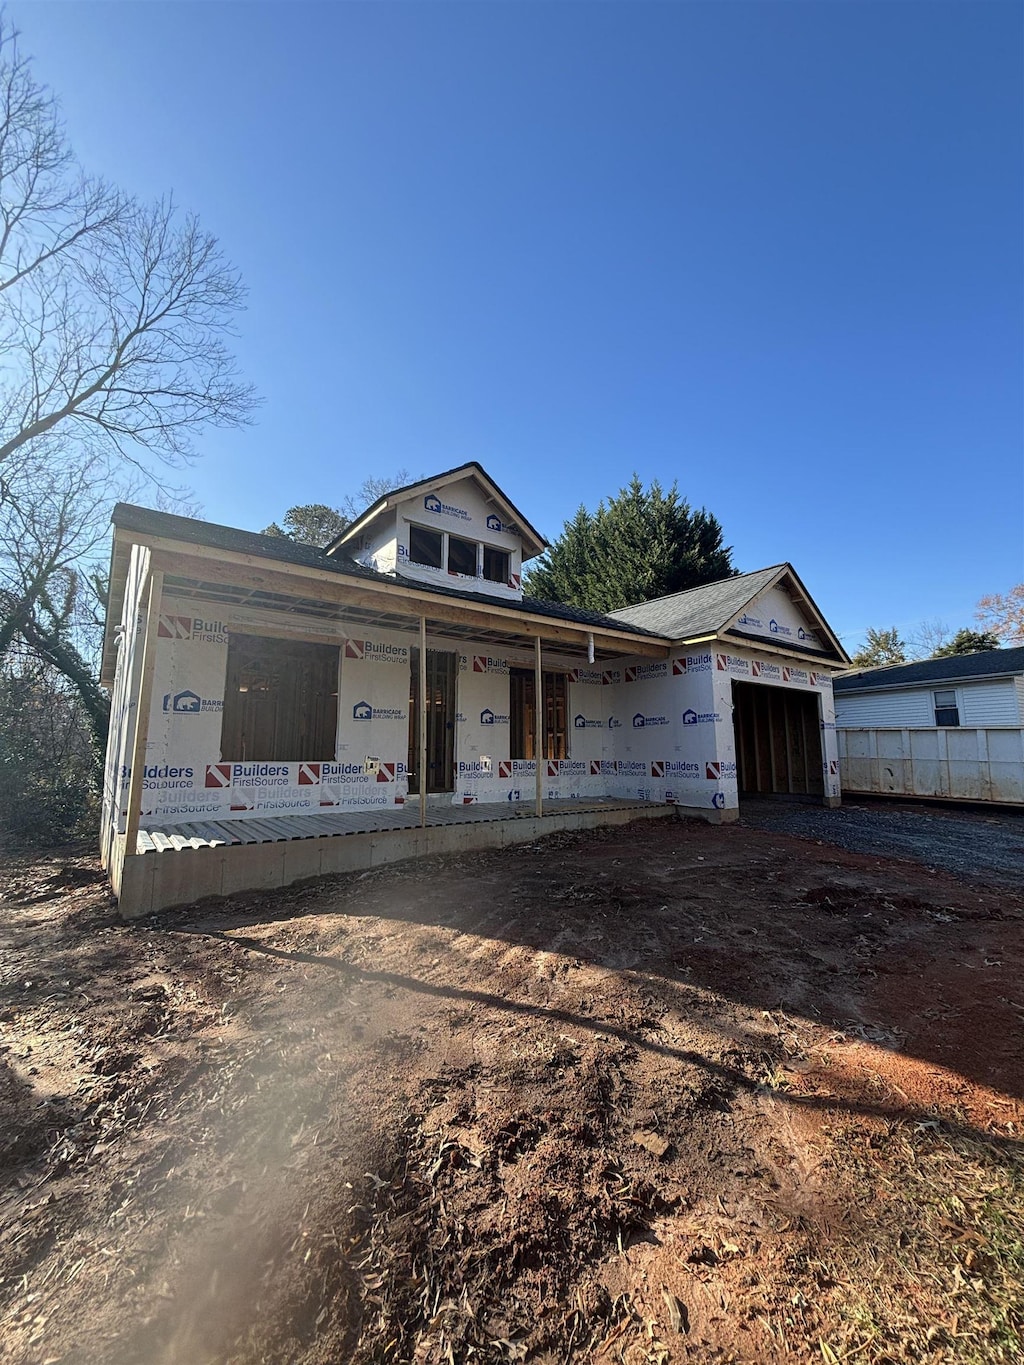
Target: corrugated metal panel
(991, 703)
(910, 707)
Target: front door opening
(778, 741)
(523, 706)
(441, 667)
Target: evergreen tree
(967, 641)
(881, 647)
(638, 545)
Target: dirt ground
(660, 1093)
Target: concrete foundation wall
(156, 881)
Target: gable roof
(533, 542)
(713, 609)
(698, 611)
(989, 663)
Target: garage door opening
(778, 741)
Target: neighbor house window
(522, 694)
(946, 710)
(495, 564)
(461, 556)
(425, 546)
(280, 701)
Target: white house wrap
(262, 647)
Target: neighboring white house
(279, 710)
(948, 728)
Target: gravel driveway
(979, 846)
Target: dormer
(457, 528)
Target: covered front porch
(192, 812)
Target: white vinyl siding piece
(912, 706)
(980, 703)
(990, 703)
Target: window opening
(280, 701)
(496, 565)
(425, 546)
(946, 710)
(461, 556)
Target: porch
(223, 857)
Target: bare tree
(928, 638)
(1003, 613)
(113, 314)
(115, 320)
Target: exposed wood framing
(251, 573)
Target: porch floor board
(215, 833)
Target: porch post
(538, 722)
(423, 722)
(135, 782)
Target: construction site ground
(666, 1092)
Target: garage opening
(778, 741)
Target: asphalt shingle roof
(697, 611)
(989, 663)
(190, 530)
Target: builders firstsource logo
(714, 771)
(247, 775)
(376, 652)
(192, 628)
(732, 663)
(174, 627)
(770, 672)
(162, 777)
(642, 672)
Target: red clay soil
(660, 1093)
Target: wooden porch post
(423, 722)
(538, 722)
(136, 781)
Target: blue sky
(771, 250)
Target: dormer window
(425, 547)
(496, 564)
(461, 556)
